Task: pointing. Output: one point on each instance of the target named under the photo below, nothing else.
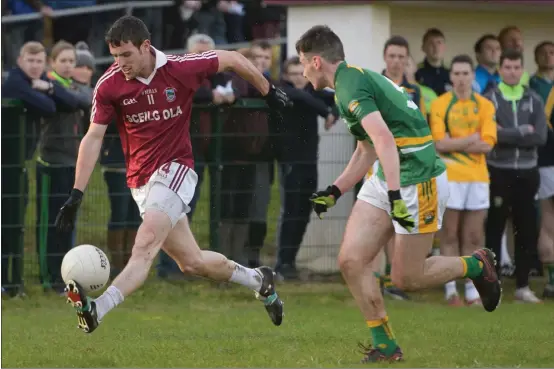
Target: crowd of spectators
(55, 84)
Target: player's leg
(161, 211)
(389, 288)
(473, 230)
(412, 270)
(449, 235)
(182, 247)
(369, 228)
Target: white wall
(462, 28)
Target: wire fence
(33, 191)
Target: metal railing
(127, 5)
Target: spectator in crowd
(22, 84)
(245, 133)
(298, 147)
(426, 92)
(16, 34)
(487, 52)
(210, 20)
(546, 197)
(511, 38)
(233, 14)
(72, 28)
(261, 54)
(396, 53)
(543, 80)
(85, 66)
(431, 71)
(514, 178)
(55, 168)
(201, 130)
(463, 126)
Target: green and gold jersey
(359, 92)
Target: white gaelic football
(87, 265)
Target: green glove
(399, 211)
(322, 200)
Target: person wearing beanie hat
(85, 64)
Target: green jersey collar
(340, 67)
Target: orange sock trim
(378, 322)
(464, 265)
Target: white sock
(471, 291)
(247, 277)
(450, 289)
(504, 253)
(107, 301)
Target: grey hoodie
(515, 150)
(61, 133)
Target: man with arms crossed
(150, 94)
(410, 186)
(463, 126)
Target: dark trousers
(513, 192)
(54, 183)
(299, 183)
(237, 186)
(124, 211)
(13, 215)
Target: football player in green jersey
(407, 195)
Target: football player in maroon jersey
(149, 95)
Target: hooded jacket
(517, 106)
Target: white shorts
(170, 190)
(468, 196)
(426, 201)
(546, 188)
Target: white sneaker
(526, 295)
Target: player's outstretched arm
(363, 158)
(385, 147)
(89, 150)
(236, 62)
(88, 154)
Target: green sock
(473, 267)
(387, 269)
(382, 335)
(550, 271)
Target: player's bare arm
(363, 158)
(89, 150)
(385, 148)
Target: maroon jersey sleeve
(193, 69)
(103, 109)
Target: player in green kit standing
(407, 195)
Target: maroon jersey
(153, 114)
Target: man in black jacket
(514, 175)
(297, 151)
(29, 84)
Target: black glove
(322, 200)
(65, 221)
(277, 99)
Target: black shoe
(375, 355)
(488, 284)
(548, 292)
(287, 272)
(84, 305)
(396, 293)
(272, 302)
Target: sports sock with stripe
(550, 273)
(473, 267)
(382, 335)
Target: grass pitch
(196, 324)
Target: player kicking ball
(410, 187)
(149, 94)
